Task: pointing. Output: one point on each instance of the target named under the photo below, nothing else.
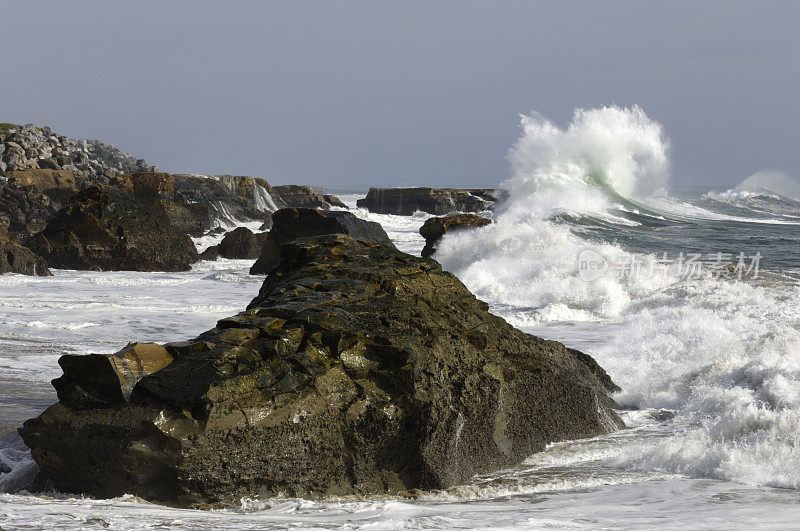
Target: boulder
(28, 147)
(103, 228)
(434, 228)
(293, 195)
(436, 201)
(240, 243)
(291, 223)
(14, 258)
(357, 370)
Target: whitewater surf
(708, 362)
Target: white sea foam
(709, 368)
(725, 356)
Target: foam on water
(723, 355)
(709, 368)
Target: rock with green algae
(357, 369)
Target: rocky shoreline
(357, 370)
(132, 217)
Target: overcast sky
(402, 93)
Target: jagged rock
(195, 204)
(434, 228)
(14, 258)
(293, 195)
(202, 203)
(104, 228)
(357, 369)
(291, 223)
(437, 201)
(24, 208)
(57, 185)
(30, 147)
(240, 243)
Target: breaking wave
(722, 355)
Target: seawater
(709, 367)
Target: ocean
(688, 298)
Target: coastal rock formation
(57, 185)
(42, 170)
(240, 243)
(14, 258)
(30, 147)
(434, 228)
(25, 209)
(357, 369)
(198, 204)
(104, 228)
(293, 195)
(437, 201)
(291, 223)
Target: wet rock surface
(434, 228)
(291, 223)
(240, 243)
(437, 201)
(357, 369)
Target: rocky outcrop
(437, 201)
(293, 195)
(434, 228)
(44, 169)
(25, 209)
(104, 228)
(291, 223)
(57, 185)
(14, 258)
(240, 243)
(30, 147)
(357, 369)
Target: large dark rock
(434, 228)
(357, 369)
(14, 258)
(25, 209)
(240, 243)
(437, 201)
(104, 228)
(291, 223)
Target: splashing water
(723, 356)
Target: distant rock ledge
(357, 369)
(436, 201)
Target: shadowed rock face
(291, 223)
(434, 228)
(104, 228)
(240, 243)
(357, 369)
(14, 258)
(437, 201)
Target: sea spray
(722, 356)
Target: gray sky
(402, 93)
